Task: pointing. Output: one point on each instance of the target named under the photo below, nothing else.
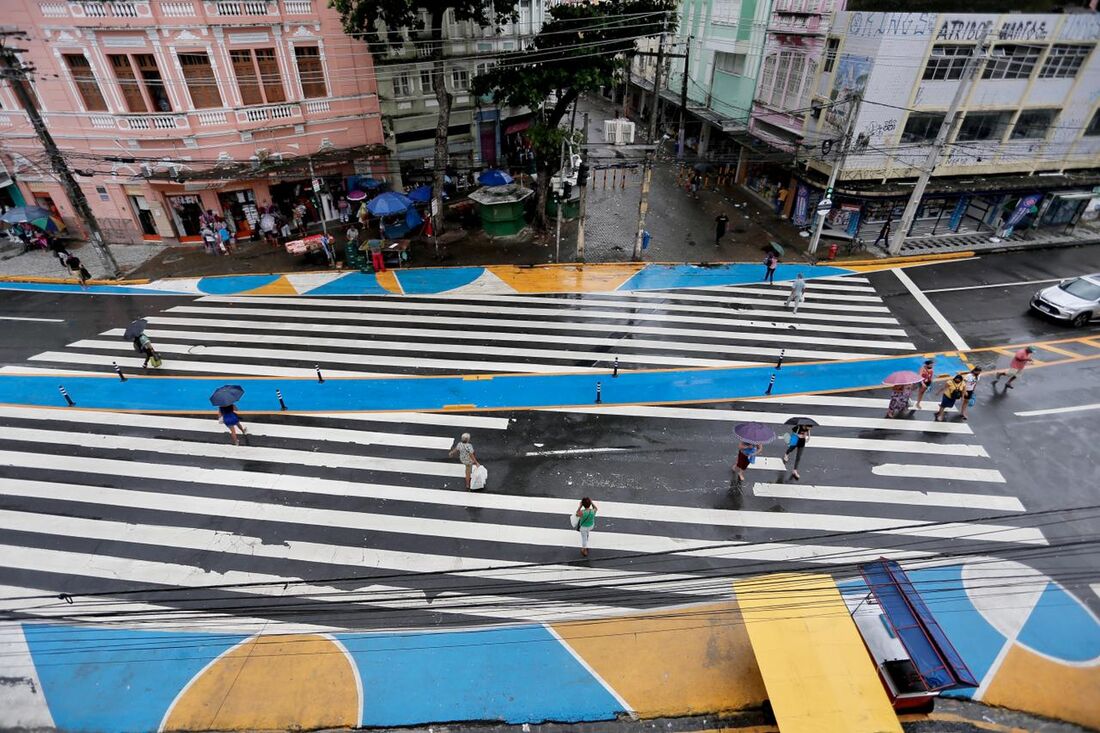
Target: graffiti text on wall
(964, 30)
(1023, 30)
(880, 128)
(891, 24)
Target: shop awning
(517, 126)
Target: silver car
(1076, 300)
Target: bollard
(623, 186)
(118, 371)
(279, 394)
(771, 383)
(65, 394)
(779, 364)
(615, 368)
(599, 397)
(319, 377)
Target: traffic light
(582, 175)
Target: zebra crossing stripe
(183, 365)
(642, 300)
(954, 473)
(954, 500)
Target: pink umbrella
(903, 377)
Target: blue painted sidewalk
(478, 392)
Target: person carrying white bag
(476, 474)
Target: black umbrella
(135, 329)
(801, 421)
(228, 395)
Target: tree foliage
(384, 23)
(580, 48)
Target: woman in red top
(927, 375)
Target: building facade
(795, 47)
(167, 108)
(719, 42)
(481, 133)
(1025, 155)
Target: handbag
(478, 477)
(156, 361)
(574, 521)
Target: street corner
(1038, 653)
(672, 662)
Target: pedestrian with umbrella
(800, 435)
(142, 345)
(902, 382)
(225, 399)
(752, 437)
(81, 272)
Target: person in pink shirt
(1019, 362)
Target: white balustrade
(54, 10)
(103, 122)
(178, 9)
(155, 122)
(216, 117)
(115, 9)
(243, 7)
(317, 105)
(298, 7)
(274, 112)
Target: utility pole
(948, 125)
(12, 69)
(657, 81)
(684, 98)
(849, 121)
(317, 194)
(560, 196)
(583, 204)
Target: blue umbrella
(230, 394)
(370, 182)
(421, 194)
(494, 177)
(388, 204)
(21, 214)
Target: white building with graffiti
(1023, 158)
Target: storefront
(186, 211)
(239, 209)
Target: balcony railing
(54, 10)
(273, 112)
(235, 8)
(314, 106)
(298, 7)
(177, 9)
(113, 9)
(211, 117)
(155, 122)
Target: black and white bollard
(118, 371)
(615, 368)
(68, 399)
(279, 394)
(599, 397)
(771, 383)
(779, 363)
(319, 377)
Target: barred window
(1064, 61)
(922, 127)
(948, 61)
(1012, 61)
(1033, 124)
(86, 83)
(831, 47)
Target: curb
(908, 259)
(68, 280)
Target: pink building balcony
(141, 13)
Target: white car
(1076, 300)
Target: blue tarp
(935, 658)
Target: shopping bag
(574, 520)
(478, 477)
(156, 361)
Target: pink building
(166, 108)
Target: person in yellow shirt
(953, 390)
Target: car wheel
(1081, 319)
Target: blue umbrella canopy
(388, 204)
(421, 194)
(226, 395)
(370, 182)
(494, 177)
(21, 214)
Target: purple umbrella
(902, 378)
(356, 196)
(754, 432)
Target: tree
(581, 48)
(389, 25)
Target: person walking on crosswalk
(1019, 362)
(927, 376)
(227, 415)
(953, 390)
(746, 455)
(771, 261)
(464, 451)
(800, 435)
(586, 514)
(798, 292)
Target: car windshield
(1082, 288)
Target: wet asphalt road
(1049, 462)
